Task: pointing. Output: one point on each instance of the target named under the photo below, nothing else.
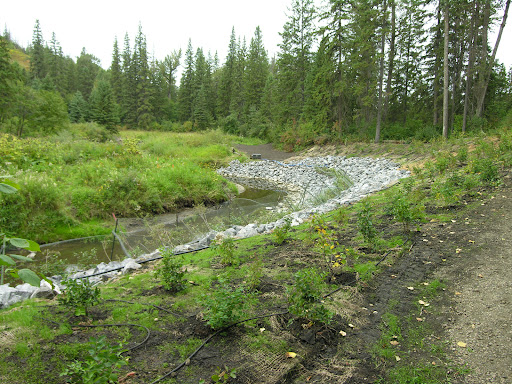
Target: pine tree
(227, 78)
(78, 109)
(116, 74)
(37, 56)
(186, 92)
(143, 85)
(295, 59)
(103, 108)
(256, 73)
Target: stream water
(170, 229)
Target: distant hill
(20, 57)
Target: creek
(169, 229)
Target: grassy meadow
(72, 183)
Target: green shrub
(365, 222)
(225, 305)
(101, 366)
(171, 271)
(404, 210)
(79, 295)
(305, 296)
(280, 234)
(225, 248)
(487, 169)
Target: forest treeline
(374, 69)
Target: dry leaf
(480, 275)
(343, 333)
(471, 241)
(461, 344)
(394, 342)
(397, 358)
(419, 319)
(424, 303)
(410, 288)
(262, 330)
(291, 355)
(458, 250)
(351, 325)
(458, 293)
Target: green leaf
(19, 243)
(6, 260)
(215, 378)
(6, 188)
(29, 276)
(21, 258)
(33, 246)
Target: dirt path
(266, 151)
(480, 282)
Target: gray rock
(130, 267)
(43, 293)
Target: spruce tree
(295, 58)
(186, 92)
(103, 108)
(116, 74)
(37, 54)
(256, 73)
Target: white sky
(167, 24)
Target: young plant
(225, 305)
(171, 271)
(305, 296)
(79, 295)
(365, 223)
(101, 366)
(404, 210)
(281, 233)
(225, 248)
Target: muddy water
(171, 229)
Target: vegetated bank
(73, 182)
(346, 297)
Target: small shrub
(225, 305)
(253, 276)
(225, 249)
(365, 222)
(80, 295)
(487, 169)
(280, 234)
(101, 366)
(404, 210)
(171, 271)
(305, 296)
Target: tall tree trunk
(381, 70)
(446, 72)
(391, 56)
(490, 65)
(469, 70)
(437, 65)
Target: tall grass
(70, 181)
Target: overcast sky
(168, 25)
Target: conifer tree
(103, 107)
(37, 54)
(295, 58)
(186, 92)
(116, 74)
(256, 72)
